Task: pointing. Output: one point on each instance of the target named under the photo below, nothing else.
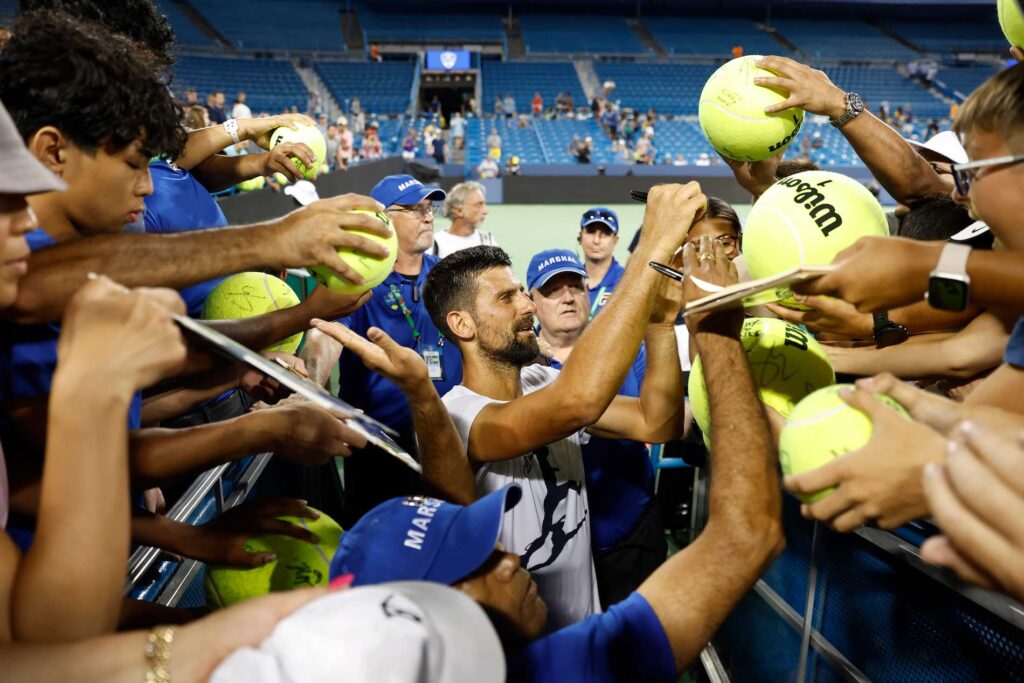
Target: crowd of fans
(531, 533)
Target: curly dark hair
(451, 284)
(140, 20)
(99, 89)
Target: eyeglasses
(728, 242)
(423, 211)
(965, 174)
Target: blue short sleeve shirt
(600, 293)
(1014, 354)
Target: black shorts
(623, 567)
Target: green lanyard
(597, 301)
(396, 292)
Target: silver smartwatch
(949, 285)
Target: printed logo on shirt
(553, 534)
(604, 299)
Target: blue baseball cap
(551, 262)
(405, 190)
(600, 215)
(422, 539)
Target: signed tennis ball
(311, 136)
(247, 295)
(373, 270)
(823, 427)
(786, 364)
(298, 565)
(731, 112)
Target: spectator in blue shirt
(397, 308)
(627, 533)
(656, 632)
(599, 235)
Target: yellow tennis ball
(281, 178)
(1011, 21)
(806, 219)
(298, 565)
(247, 295)
(311, 136)
(823, 427)
(785, 362)
(731, 112)
(252, 184)
(373, 270)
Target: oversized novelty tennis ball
(806, 219)
(785, 362)
(311, 136)
(731, 112)
(822, 427)
(374, 271)
(247, 295)
(252, 184)
(298, 565)
(1011, 21)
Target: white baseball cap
(945, 144)
(401, 632)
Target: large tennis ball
(247, 295)
(311, 136)
(785, 362)
(822, 427)
(806, 219)
(731, 112)
(298, 565)
(1011, 21)
(374, 271)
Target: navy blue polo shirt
(601, 292)
(379, 397)
(28, 353)
(626, 644)
(619, 473)
(180, 203)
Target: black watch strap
(886, 332)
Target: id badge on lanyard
(432, 357)
(430, 353)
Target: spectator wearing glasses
(599, 235)
(397, 308)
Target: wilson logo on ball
(824, 215)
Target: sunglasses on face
(599, 215)
(965, 174)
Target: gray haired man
(466, 207)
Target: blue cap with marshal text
(551, 262)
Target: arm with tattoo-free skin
(695, 590)
(305, 237)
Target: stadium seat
(523, 79)
(711, 36)
(557, 33)
(841, 39)
(398, 27)
(382, 88)
(271, 85)
(271, 25)
(669, 88)
(947, 37)
(185, 32)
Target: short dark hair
(935, 218)
(140, 20)
(788, 167)
(451, 284)
(98, 88)
(719, 208)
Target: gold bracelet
(158, 654)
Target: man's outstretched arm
(694, 591)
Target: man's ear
(49, 146)
(462, 325)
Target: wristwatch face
(947, 294)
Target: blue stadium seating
(273, 25)
(523, 79)
(841, 39)
(185, 32)
(382, 87)
(522, 142)
(960, 81)
(669, 88)
(271, 85)
(878, 84)
(547, 33)
(379, 27)
(955, 36)
(711, 36)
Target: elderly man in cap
(599, 235)
(397, 308)
(627, 534)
